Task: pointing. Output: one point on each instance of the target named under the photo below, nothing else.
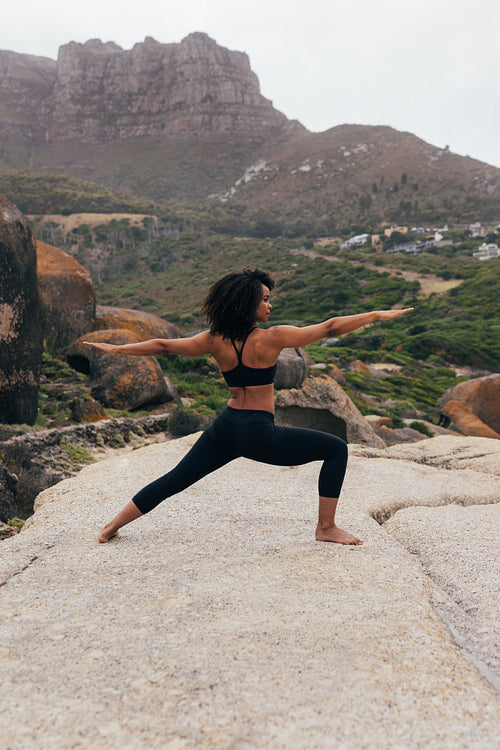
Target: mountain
(186, 122)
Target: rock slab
(210, 623)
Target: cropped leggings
(250, 434)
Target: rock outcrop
(33, 461)
(99, 92)
(116, 380)
(144, 325)
(67, 295)
(321, 404)
(21, 333)
(481, 396)
(268, 608)
(26, 84)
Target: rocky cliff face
(99, 92)
(26, 83)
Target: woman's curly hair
(231, 303)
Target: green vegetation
(421, 427)
(77, 454)
(415, 386)
(164, 264)
(16, 523)
(36, 193)
(199, 379)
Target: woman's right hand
(102, 346)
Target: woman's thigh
(292, 446)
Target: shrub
(16, 523)
(421, 427)
(184, 421)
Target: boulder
(67, 295)
(337, 374)
(377, 420)
(21, 332)
(321, 404)
(173, 393)
(466, 422)
(398, 434)
(117, 380)
(86, 409)
(291, 369)
(144, 325)
(481, 396)
(358, 366)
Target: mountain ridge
(186, 122)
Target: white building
(476, 230)
(357, 241)
(487, 251)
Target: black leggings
(250, 434)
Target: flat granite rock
(459, 549)
(217, 621)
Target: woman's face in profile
(264, 308)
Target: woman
(247, 357)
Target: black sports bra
(242, 375)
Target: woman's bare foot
(336, 534)
(129, 513)
(108, 532)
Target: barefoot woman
(247, 357)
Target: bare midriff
(259, 397)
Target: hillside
(186, 123)
(165, 264)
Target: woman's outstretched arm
(294, 336)
(192, 347)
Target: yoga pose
(247, 357)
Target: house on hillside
(487, 251)
(357, 241)
(476, 229)
(415, 247)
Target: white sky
(431, 67)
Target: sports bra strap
(236, 350)
(239, 352)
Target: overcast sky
(431, 67)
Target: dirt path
(429, 282)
